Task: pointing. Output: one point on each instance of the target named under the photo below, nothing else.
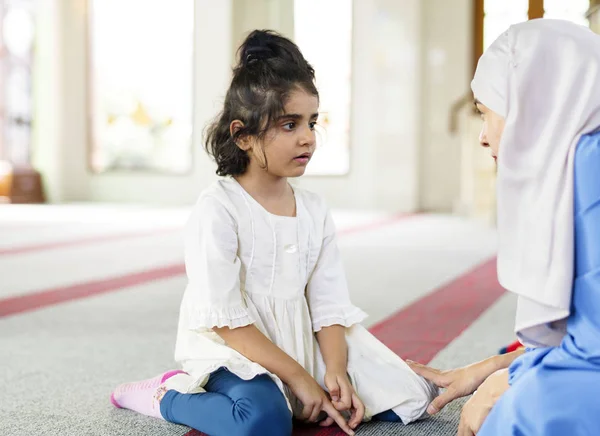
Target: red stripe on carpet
(40, 299)
(421, 330)
(82, 241)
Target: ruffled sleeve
(213, 296)
(327, 290)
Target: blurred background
(107, 99)
(103, 104)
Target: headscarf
(543, 77)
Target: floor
(89, 298)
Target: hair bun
(253, 54)
(260, 45)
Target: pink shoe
(141, 396)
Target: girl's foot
(142, 396)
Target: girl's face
(290, 143)
(491, 132)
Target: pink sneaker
(141, 396)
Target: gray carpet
(61, 363)
(58, 365)
(66, 391)
(107, 423)
(443, 424)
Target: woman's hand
(315, 401)
(458, 382)
(344, 398)
(462, 381)
(481, 403)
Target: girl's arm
(251, 343)
(332, 342)
(331, 313)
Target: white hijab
(543, 77)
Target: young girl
(267, 330)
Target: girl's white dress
(285, 275)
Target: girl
(538, 89)
(267, 329)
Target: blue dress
(555, 391)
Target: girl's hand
(315, 401)
(344, 397)
(481, 403)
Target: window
(572, 10)
(17, 32)
(141, 85)
(499, 15)
(492, 17)
(323, 31)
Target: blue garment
(233, 406)
(387, 416)
(554, 391)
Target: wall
(594, 15)
(410, 62)
(261, 14)
(385, 110)
(48, 108)
(63, 157)
(447, 64)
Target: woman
(538, 89)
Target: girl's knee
(268, 419)
(260, 408)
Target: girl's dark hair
(269, 68)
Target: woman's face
(491, 132)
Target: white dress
(285, 276)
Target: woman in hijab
(538, 89)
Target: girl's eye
(312, 125)
(289, 126)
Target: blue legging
(233, 406)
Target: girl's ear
(243, 143)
